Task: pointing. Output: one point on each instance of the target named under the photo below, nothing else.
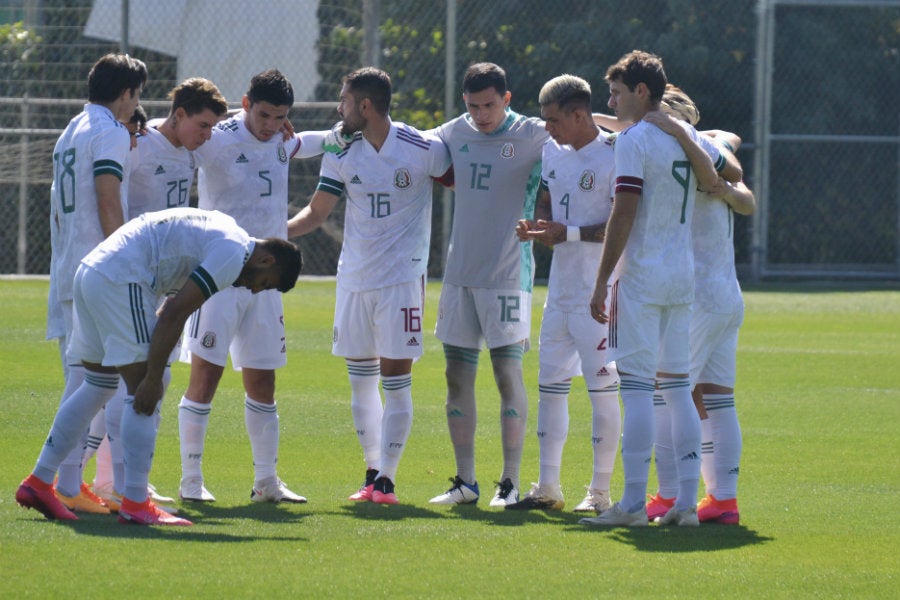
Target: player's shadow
(108, 526)
(656, 538)
(507, 518)
(209, 513)
(385, 512)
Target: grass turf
(818, 396)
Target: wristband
(573, 233)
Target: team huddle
(642, 300)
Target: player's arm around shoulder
(740, 198)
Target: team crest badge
(586, 182)
(508, 151)
(208, 340)
(402, 179)
(282, 155)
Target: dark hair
(371, 83)
(196, 94)
(271, 86)
(640, 67)
(139, 117)
(482, 76)
(288, 260)
(114, 74)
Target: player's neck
(586, 136)
(167, 128)
(376, 132)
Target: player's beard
(352, 123)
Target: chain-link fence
(810, 86)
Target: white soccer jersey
(657, 263)
(581, 186)
(716, 285)
(94, 143)
(161, 175)
(163, 249)
(496, 184)
(387, 222)
(245, 177)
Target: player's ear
(245, 103)
(506, 98)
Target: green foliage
(18, 50)
(817, 400)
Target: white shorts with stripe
(714, 339)
(468, 317)
(573, 344)
(648, 338)
(112, 322)
(248, 326)
(384, 322)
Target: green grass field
(818, 395)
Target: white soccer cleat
(459, 493)
(683, 518)
(193, 490)
(506, 494)
(596, 501)
(274, 490)
(539, 498)
(156, 496)
(616, 516)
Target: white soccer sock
(262, 427)
(366, 407)
(70, 469)
(552, 429)
(637, 438)
(685, 437)
(138, 446)
(193, 419)
(114, 410)
(103, 479)
(663, 449)
(727, 443)
(462, 414)
(606, 427)
(707, 456)
(96, 435)
(507, 364)
(72, 421)
(396, 423)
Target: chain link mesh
(824, 163)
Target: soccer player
(716, 317)
(648, 237)
(243, 172)
(87, 203)
(572, 207)
(486, 293)
(184, 253)
(161, 176)
(386, 174)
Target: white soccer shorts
(572, 344)
(468, 317)
(714, 339)
(385, 322)
(112, 322)
(248, 326)
(648, 338)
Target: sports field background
(818, 395)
